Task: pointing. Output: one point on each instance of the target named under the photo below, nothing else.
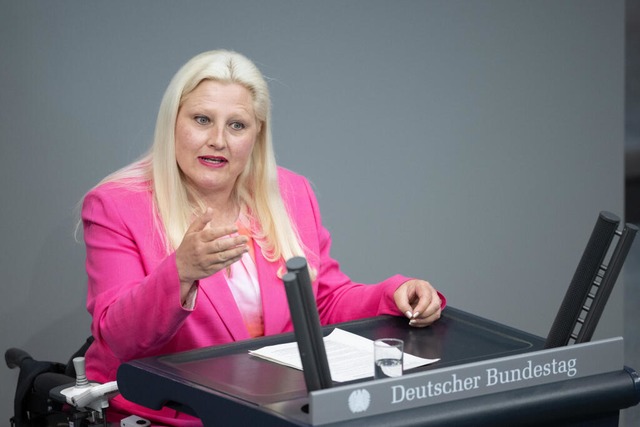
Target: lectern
(488, 374)
(226, 383)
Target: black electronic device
(592, 282)
(306, 325)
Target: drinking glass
(387, 356)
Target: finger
(401, 297)
(436, 303)
(230, 256)
(430, 315)
(201, 222)
(426, 303)
(213, 233)
(425, 321)
(226, 243)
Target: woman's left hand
(419, 302)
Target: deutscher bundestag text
(492, 377)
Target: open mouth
(213, 160)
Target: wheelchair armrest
(44, 383)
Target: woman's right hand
(205, 250)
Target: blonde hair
(256, 190)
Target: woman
(186, 247)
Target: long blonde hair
(256, 190)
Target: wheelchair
(53, 394)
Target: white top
(244, 285)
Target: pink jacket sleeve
(124, 291)
(340, 299)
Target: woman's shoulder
(129, 194)
(288, 178)
(296, 190)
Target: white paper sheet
(350, 356)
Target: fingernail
(412, 322)
(415, 314)
(408, 314)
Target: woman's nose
(217, 139)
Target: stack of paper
(350, 356)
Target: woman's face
(216, 130)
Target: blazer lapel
(216, 289)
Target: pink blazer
(133, 285)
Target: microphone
(306, 325)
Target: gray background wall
(471, 143)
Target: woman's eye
(203, 120)
(237, 126)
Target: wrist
(188, 291)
